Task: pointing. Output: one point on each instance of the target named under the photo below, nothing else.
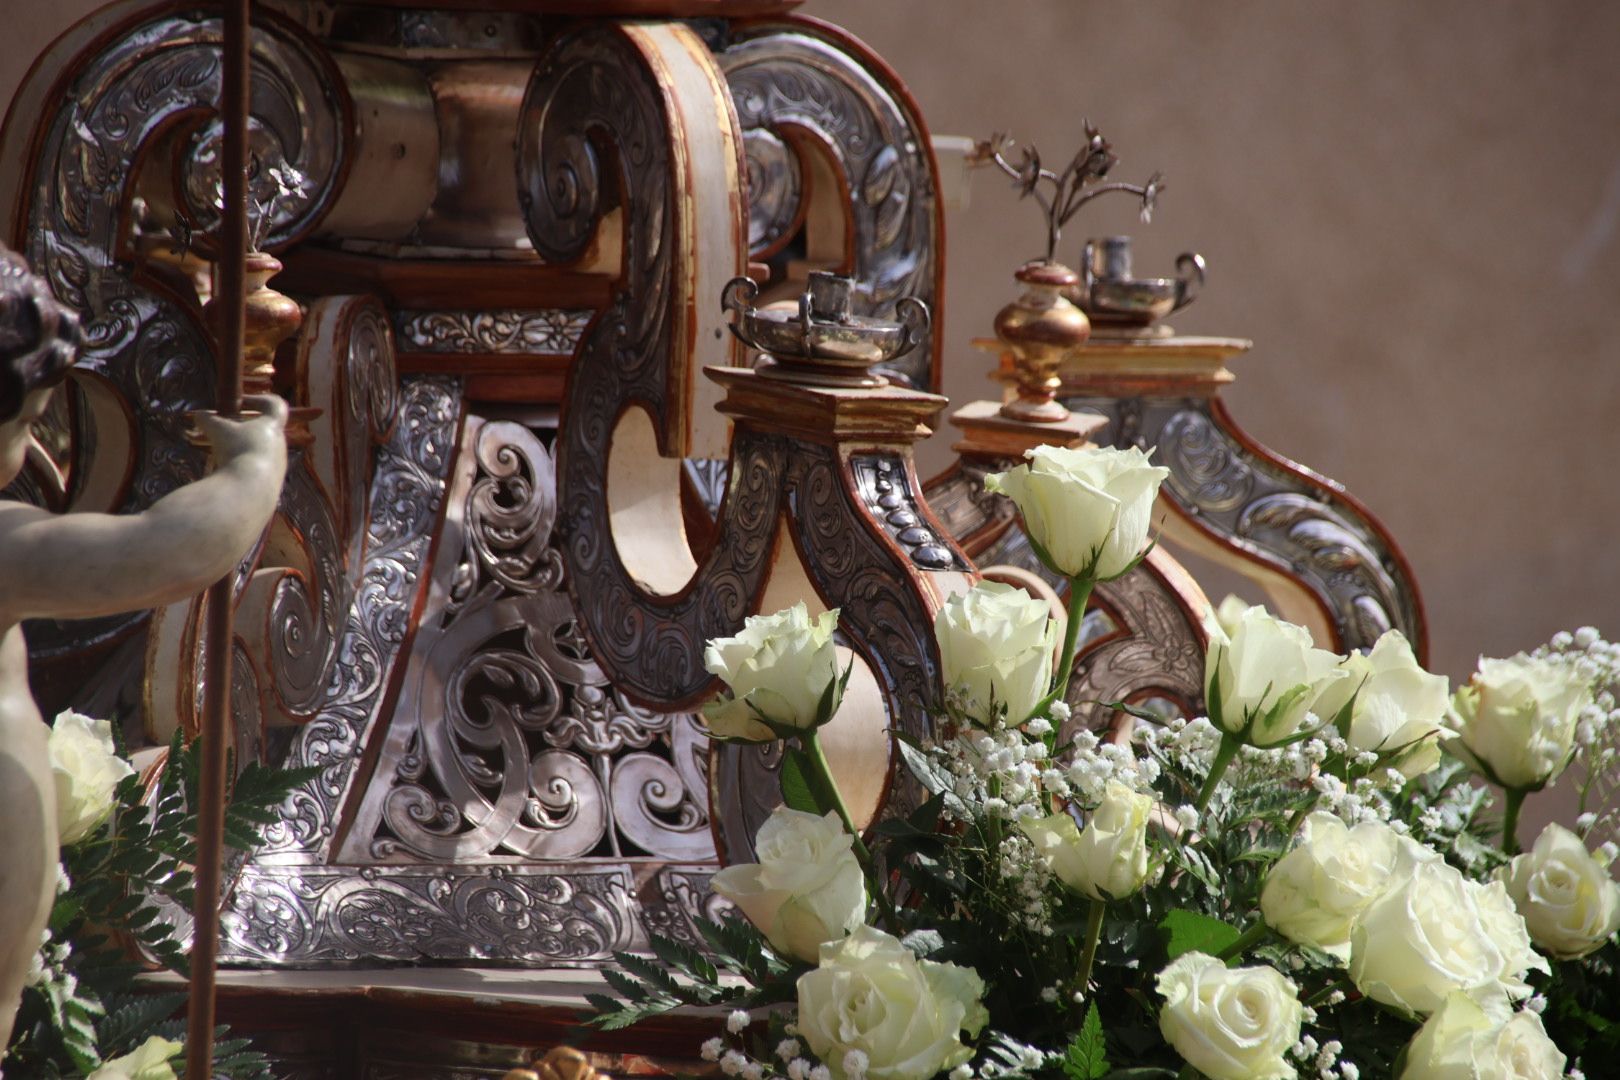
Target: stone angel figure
(78, 565)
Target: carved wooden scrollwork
(1325, 560)
(812, 100)
(600, 128)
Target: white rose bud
(1434, 932)
(1567, 898)
(807, 887)
(1400, 709)
(148, 1061)
(871, 994)
(1467, 1039)
(1516, 720)
(995, 646)
(1229, 1023)
(1088, 509)
(779, 665)
(1314, 893)
(1263, 676)
(1107, 861)
(88, 771)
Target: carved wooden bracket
(1323, 559)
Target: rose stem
(1094, 921)
(1079, 595)
(1245, 941)
(1217, 769)
(833, 799)
(1513, 799)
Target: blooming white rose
(1516, 719)
(807, 887)
(779, 665)
(1566, 896)
(1314, 893)
(1263, 676)
(1107, 861)
(1229, 1023)
(1399, 710)
(149, 1061)
(1089, 509)
(872, 995)
(88, 771)
(1467, 1039)
(1433, 932)
(995, 647)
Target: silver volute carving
(1306, 529)
(794, 77)
(143, 346)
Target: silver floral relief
(335, 915)
(149, 350)
(509, 739)
(786, 77)
(406, 489)
(1274, 515)
(521, 332)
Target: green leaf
(797, 791)
(1086, 1057)
(1187, 931)
(680, 955)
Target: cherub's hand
(259, 430)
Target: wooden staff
(231, 301)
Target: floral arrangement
(1308, 881)
(128, 843)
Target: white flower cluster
(1597, 731)
(1324, 1059)
(1096, 762)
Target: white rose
(1088, 509)
(1433, 932)
(149, 1061)
(1473, 1040)
(1566, 896)
(1263, 676)
(871, 994)
(1516, 720)
(1314, 893)
(1229, 1023)
(779, 665)
(995, 646)
(1107, 861)
(88, 771)
(1400, 709)
(807, 887)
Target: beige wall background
(1413, 210)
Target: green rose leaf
(795, 777)
(1188, 931)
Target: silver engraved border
(506, 331)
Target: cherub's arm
(79, 565)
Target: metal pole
(218, 632)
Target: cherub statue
(79, 565)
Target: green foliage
(1188, 931)
(1086, 1057)
(679, 974)
(122, 879)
